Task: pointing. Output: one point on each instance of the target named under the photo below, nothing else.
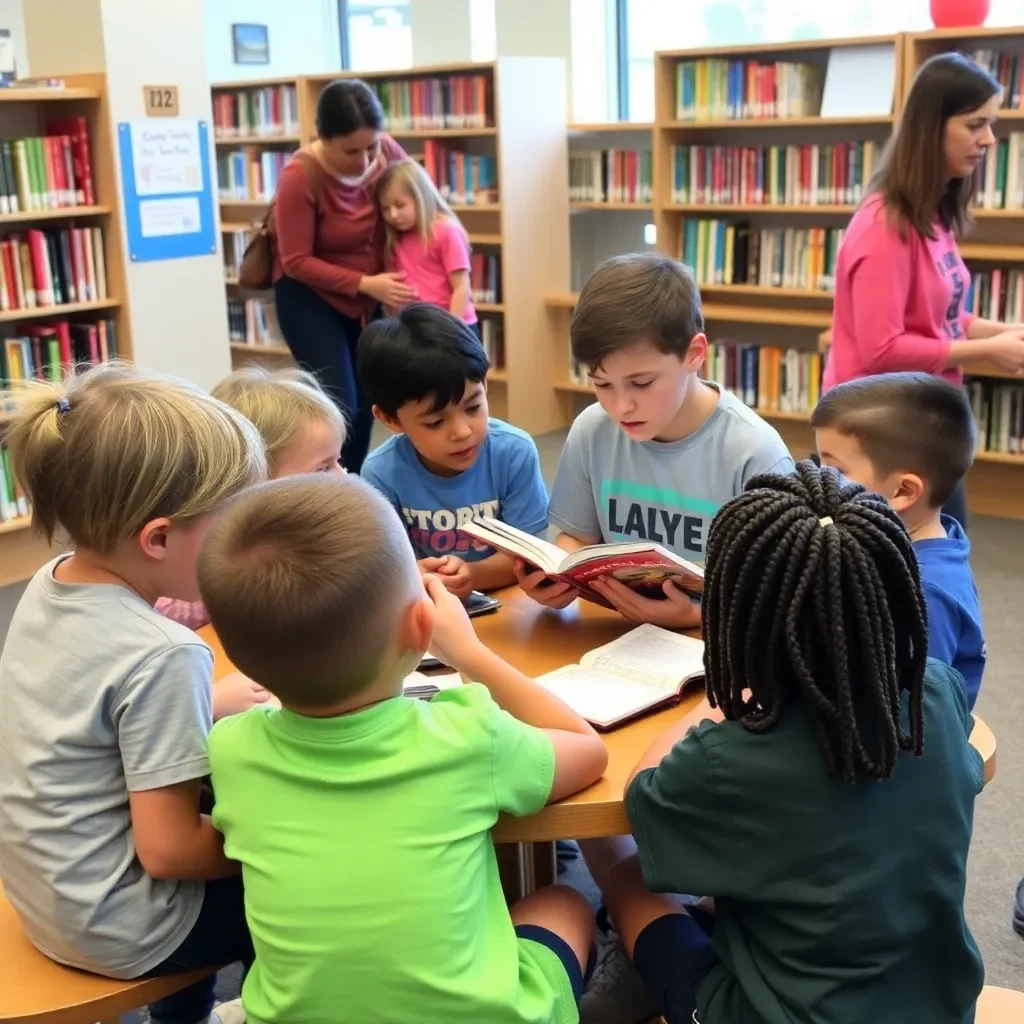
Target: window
(671, 25)
(379, 34)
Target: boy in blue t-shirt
(425, 373)
(910, 438)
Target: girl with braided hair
(801, 795)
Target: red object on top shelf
(959, 13)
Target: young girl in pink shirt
(426, 243)
(901, 286)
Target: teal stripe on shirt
(656, 496)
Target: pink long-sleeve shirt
(898, 302)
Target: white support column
(536, 28)
(177, 307)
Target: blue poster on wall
(168, 192)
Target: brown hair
(279, 404)
(914, 422)
(912, 173)
(641, 296)
(409, 176)
(304, 579)
(114, 447)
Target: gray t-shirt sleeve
(573, 509)
(163, 714)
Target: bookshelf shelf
(571, 387)
(66, 94)
(229, 227)
(752, 209)
(738, 314)
(988, 370)
(1002, 458)
(489, 307)
(245, 204)
(996, 253)
(442, 133)
(1012, 214)
(62, 213)
(611, 206)
(8, 316)
(478, 238)
(610, 126)
(764, 291)
(16, 525)
(497, 377)
(777, 123)
(475, 207)
(257, 140)
(566, 300)
(778, 414)
(267, 350)
(231, 282)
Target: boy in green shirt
(802, 796)
(362, 818)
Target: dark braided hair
(812, 592)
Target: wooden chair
(1000, 1006)
(35, 990)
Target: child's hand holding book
(454, 641)
(674, 611)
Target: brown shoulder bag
(256, 272)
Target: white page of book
(651, 655)
(600, 698)
(860, 81)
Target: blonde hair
(114, 447)
(279, 404)
(304, 579)
(430, 204)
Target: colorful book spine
(436, 102)
(611, 176)
(44, 172)
(253, 322)
(1000, 175)
(50, 350)
(806, 175)
(461, 178)
(492, 338)
(246, 175)
(235, 245)
(1008, 69)
(997, 294)
(485, 277)
(723, 253)
(770, 379)
(999, 414)
(13, 503)
(264, 112)
(52, 268)
(716, 89)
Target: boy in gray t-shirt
(663, 450)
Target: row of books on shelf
(1008, 69)
(444, 101)
(997, 295)
(999, 414)
(51, 268)
(1000, 175)
(254, 322)
(46, 351)
(241, 176)
(47, 172)
(234, 249)
(484, 277)
(13, 503)
(264, 111)
(808, 175)
(461, 177)
(717, 89)
(765, 377)
(492, 337)
(723, 253)
(611, 176)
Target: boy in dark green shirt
(805, 803)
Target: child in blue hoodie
(910, 438)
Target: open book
(643, 567)
(645, 669)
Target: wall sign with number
(160, 100)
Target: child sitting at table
(302, 429)
(104, 704)
(661, 450)
(910, 438)
(803, 796)
(361, 817)
(426, 373)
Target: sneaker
(616, 995)
(227, 1013)
(1018, 910)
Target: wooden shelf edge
(765, 291)
(792, 317)
(257, 140)
(497, 376)
(777, 122)
(441, 133)
(267, 350)
(489, 307)
(610, 126)
(60, 213)
(476, 238)
(610, 206)
(1003, 458)
(572, 387)
(16, 95)
(803, 209)
(15, 525)
(778, 414)
(42, 312)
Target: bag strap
(315, 174)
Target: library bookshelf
(524, 139)
(25, 113)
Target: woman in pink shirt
(900, 281)
(329, 277)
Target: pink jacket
(898, 303)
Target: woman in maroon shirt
(328, 279)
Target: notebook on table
(644, 670)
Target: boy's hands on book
(544, 590)
(454, 641)
(236, 693)
(453, 572)
(677, 611)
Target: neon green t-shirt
(371, 885)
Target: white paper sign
(161, 217)
(166, 157)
